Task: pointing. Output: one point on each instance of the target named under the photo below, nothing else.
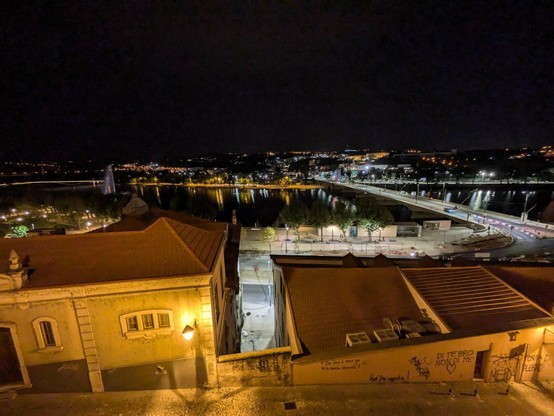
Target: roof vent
(384, 335)
(357, 338)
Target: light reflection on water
(263, 205)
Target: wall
(53, 370)
(257, 368)
(24, 314)
(333, 232)
(115, 350)
(444, 361)
(279, 307)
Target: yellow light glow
(188, 333)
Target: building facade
(368, 322)
(121, 310)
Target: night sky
(123, 80)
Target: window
(132, 323)
(46, 332)
(146, 324)
(148, 321)
(163, 320)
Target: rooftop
(466, 297)
(537, 283)
(343, 301)
(165, 248)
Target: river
(262, 206)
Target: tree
(320, 216)
(268, 234)
(371, 216)
(344, 217)
(19, 231)
(72, 206)
(294, 215)
(105, 207)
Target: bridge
(529, 236)
(93, 182)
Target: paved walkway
(393, 399)
(432, 243)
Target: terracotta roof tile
(157, 251)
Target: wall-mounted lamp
(188, 332)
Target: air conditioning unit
(386, 334)
(357, 338)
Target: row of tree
(365, 213)
(72, 208)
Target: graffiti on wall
(346, 364)
(379, 378)
(503, 366)
(451, 359)
(534, 363)
(421, 366)
(261, 364)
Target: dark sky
(149, 80)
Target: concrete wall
(280, 329)
(438, 225)
(504, 360)
(257, 368)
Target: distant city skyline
(145, 81)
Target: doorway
(479, 370)
(10, 368)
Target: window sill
(50, 349)
(151, 333)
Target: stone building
(148, 304)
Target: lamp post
(287, 240)
(524, 213)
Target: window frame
(42, 337)
(143, 331)
(159, 315)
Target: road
(528, 238)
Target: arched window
(48, 337)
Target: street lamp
(188, 332)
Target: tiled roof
(202, 244)
(466, 297)
(537, 283)
(328, 303)
(166, 248)
(133, 223)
